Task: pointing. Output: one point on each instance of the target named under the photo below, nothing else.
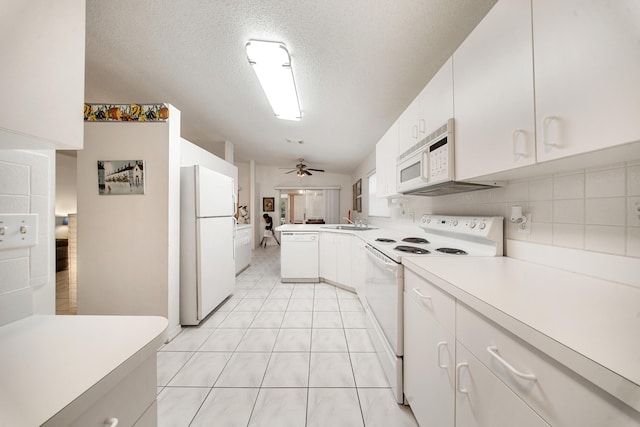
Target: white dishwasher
(299, 257)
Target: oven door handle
(377, 259)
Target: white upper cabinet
(408, 134)
(42, 74)
(493, 93)
(386, 159)
(587, 70)
(436, 101)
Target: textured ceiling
(357, 65)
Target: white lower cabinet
(483, 400)
(497, 378)
(335, 258)
(429, 365)
(243, 248)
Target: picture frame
(359, 187)
(121, 177)
(358, 204)
(268, 204)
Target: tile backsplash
(589, 209)
(26, 274)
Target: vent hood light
(272, 64)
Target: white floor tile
(330, 370)
(228, 407)
(280, 407)
(297, 319)
(280, 293)
(380, 409)
(325, 304)
(190, 339)
(214, 320)
(328, 340)
(169, 363)
(327, 319)
(300, 304)
(228, 305)
(223, 340)
(238, 319)
(358, 341)
(293, 340)
(303, 291)
(343, 294)
(275, 304)
(244, 370)
(335, 407)
(268, 319)
(368, 371)
(260, 340)
(202, 370)
(354, 319)
(178, 405)
(287, 370)
(350, 305)
(249, 304)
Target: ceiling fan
(302, 170)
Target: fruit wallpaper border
(126, 112)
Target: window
(377, 206)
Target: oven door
(383, 295)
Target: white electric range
(436, 236)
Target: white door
(215, 262)
(214, 193)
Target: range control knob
(472, 224)
(454, 222)
(482, 226)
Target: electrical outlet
(525, 227)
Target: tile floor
(277, 354)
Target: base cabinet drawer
(561, 397)
(132, 398)
(482, 400)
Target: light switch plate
(18, 230)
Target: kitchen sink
(349, 227)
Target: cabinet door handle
(420, 294)
(415, 131)
(459, 367)
(439, 347)
(493, 351)
(519, 141)
(546, 133)
(111, 422)
(422, 127)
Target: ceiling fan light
(272, 65)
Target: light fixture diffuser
(272, 64)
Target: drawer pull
(440, 345)
(493, 351)
(459, 367)
(111, 422)
(420, 294)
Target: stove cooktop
(412, 250)
(385, 240)
(418, 240)
(452, 251)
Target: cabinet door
(343, 259)
(386, 159)
(357, 266)
(482, 400)
(327, 256)
(429, 366)
(436, 101)
(408, 134)
(42, 74)
(493, 96)
(587, 62)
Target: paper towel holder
(518, 217)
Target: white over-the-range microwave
(428, 168)
(430, 161)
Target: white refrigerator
(207, 247)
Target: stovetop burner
(415, 240)
(453, 251)
(412, 250)
(385, 240)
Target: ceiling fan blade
(306, 172)
(316, 170)
(290, 171)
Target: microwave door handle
(424, 165)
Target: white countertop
(590, 325)
(244, 226)
(48, 362)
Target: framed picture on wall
(359, 187)
(268, 204)
(119, 177)
(358, 204)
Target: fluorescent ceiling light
(272, 64)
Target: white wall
(244, 183)
(128, 245)
(27, 275)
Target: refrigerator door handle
(235, 235)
